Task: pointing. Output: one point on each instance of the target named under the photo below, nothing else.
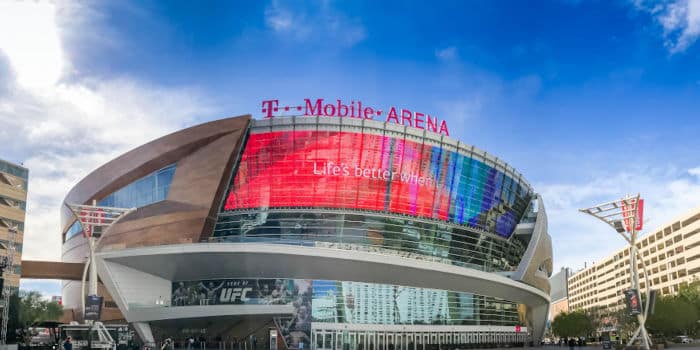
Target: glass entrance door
(361, 341)
(353, 340)
(381, 341)
(411, 343)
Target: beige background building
(558, 307)
(671, 254)
(13, 205)
(559, 293)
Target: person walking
(167, 345)
(68, 345)
(572, 343)
(190, 343)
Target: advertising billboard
(350, 170)
(295, 329)
(235, 291)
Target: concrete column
(538, 320)
(143, 329)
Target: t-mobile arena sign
(355, 109)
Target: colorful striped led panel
(348, 170)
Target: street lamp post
(625, 216)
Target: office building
(13, 207)
(671, 255)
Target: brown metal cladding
(52, 270)
(204, 155)
(150, 157)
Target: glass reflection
(422, 240)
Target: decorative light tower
(625, 216)
(96, 222)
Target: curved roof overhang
(182, 262)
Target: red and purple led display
(350, 170)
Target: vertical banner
(640, 215)
(626, 215)
(93, 307)
(634, 305)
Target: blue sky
(588, 99)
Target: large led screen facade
(371, 172)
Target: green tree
(690, 292)
(34, 309)
(13, 318)
(674, 315)
(573, 324)
(626, 324)
(596, 314)
(561, 325)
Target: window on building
(7, 223)
(691, 233)
(691, 220)
(12, 203)
(677, 226)
(147, 190)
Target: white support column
(143, 329)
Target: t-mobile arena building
(339, 227)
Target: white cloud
(695, 172)
(323, 24)
(446, 54)
(462, 110)
(579, 238)
(65, 130)
(680, 20)
(29, 37)
(278, 18)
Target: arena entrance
(221, 332)
(386, 337)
